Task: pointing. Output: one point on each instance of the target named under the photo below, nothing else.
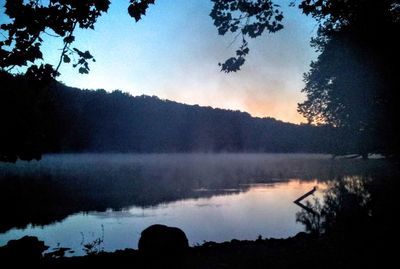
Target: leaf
(232, 64)
(83, 70)
(87, 55)
(69, 39)
(136, 9)
(279, 17)
(66, 59)
(79, 52)
(102, 5)
(134, 12)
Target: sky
(174, 51)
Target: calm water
(71, 200)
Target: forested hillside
(65, 119)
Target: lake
(70, 200)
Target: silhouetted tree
(22, 37)
(26, 117)
(352, 84)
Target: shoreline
(300, 251)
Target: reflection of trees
(345, 204)
(49, 191)
(45, 199)
(356, 218)
(310, 216)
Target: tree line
(58, 118)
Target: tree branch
(65, 48)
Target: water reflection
(356, 218)
(211, 196)
(40, 193)
(262, 209)
(351, 200)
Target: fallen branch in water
(298, 201)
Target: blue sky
(173, 52)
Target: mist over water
(73, 199)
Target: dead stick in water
(305, 195)
(298, 201)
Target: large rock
(24, 250)
(161, 239)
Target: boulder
(160, 239)
(23, 250)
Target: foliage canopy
(30, 20)
(352, 85)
